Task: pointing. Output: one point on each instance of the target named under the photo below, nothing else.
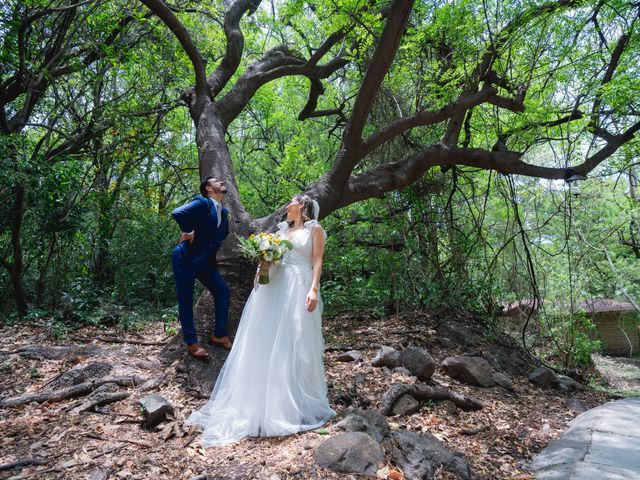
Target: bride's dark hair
(307, 210)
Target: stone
(568, 384)
(472, 370)
(155, 409)
(419, 454)
(503, 381)
(450, 407)
(350, 356)
(402, 370)
(544, 377)
(418, 362)
(405, 405)
(351, 452)
(386, 357)
(371, 422)
(98, 475)
(575, 404)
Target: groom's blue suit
(198, 260)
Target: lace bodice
(302, 242)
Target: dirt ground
(56, 440)
(621, 374)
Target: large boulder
(352, 452)
(371, 422)
(386, 357)
(544, 377)
(418, 362)
(420, 454)
(472, 370)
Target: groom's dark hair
(203, 185)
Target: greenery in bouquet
(264, 246)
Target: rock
(418, 362)
(544, 377)
(471, 370)
(575, 404)
(352, 452)
(402, 370)
(98, 475)
(350, 356)
(405, 405)
(503, 381)
(371, 422)
(419, 454)
(359, 378)
(155, 409)
(450, 407)
(386, 371)
(386, 357)
(569, 384)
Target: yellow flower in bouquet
(264, 247)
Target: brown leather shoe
(197, 351)
(223, 342)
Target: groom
(204, 224)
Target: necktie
(218, 208)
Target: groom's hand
(186, 237)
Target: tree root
(101, 400)
(426, 392)
(21, 463)
(74, 391)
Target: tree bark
(17, 266)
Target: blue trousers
(185, 274)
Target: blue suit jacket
(200, 216)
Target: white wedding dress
(273, 381)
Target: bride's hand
(312, 300)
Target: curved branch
(392, 176)
(165, 14)
(235, 44)
(622, 43)
(420, 119)
(278, 62)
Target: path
(601, 444)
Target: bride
(273, 380)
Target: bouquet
(266, 248)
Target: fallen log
(74, 391)
(426, 392)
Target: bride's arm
(316, 260)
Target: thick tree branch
(401, 125)
(393, 176)
(235, 44)
(379, 66)
(276, 63)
